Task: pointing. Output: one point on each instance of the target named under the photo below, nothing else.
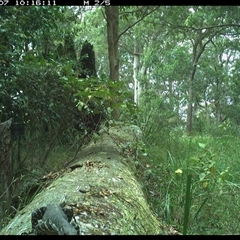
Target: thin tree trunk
(136, 68)
(198, 49)
(190, 102)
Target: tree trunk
(112, 18)
(6, 168)
(136, 68)
(198, 49)
(100, 187)
(190, 102)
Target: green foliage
(36, 61)
(213, 166)
(40, 86)
(154, 109)
(100, 93)
(187, 204)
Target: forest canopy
(190, 64)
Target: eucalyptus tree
(226, 87)
(214, 80)
(173, 41)
(159, 66)
(113, 32)
(135, 40)
(112, 19)
(201, 26)
(162, 48)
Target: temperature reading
(3, 2)
(101, 3)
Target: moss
(104, 193)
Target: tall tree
(202, 26)
(198, 48)
(112, 18)
(136, 69)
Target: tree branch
(136, 22)
(130, 12)
(204, 28)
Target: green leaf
(212, 170)
(194, 160)
(202, 176)
(202, 145)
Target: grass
(29, 170)
(205, 203)
(213, 163)
(187, 204)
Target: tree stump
(6, 168)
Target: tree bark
(112, 18)
(136, 69)
(6, 168)
(101, 188)
(190, 101)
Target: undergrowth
(213, 199)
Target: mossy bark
(102, 189)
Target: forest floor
(213, 164)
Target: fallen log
(100, 187)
